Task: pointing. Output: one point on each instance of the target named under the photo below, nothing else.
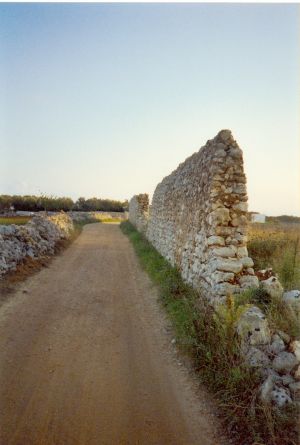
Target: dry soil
(87, 358)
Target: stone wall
(198, 221)
(139, 211)
(97, 216)
(33, 240)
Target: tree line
(34, 203)
(283, 219)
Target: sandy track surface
(86, 357)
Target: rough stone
(277, 345)
(139, 211)
(287, 379)
(281, 396)
(295, 390)
(225, 252)
(284, 362)
(247, 262)
(273, 287)
(285, 337)
(252, 327)
(247, 281)
(256, 358)
(266, 388)
(227, 265)
(297, 373)
(219, 216)
(292, 298)
(295, 348)
(215, 240)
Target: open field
(277, 246)
(19, 220)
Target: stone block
(252, 327)
(256, 358)
(225, 252)
(227, 265)
(273, 287)
(292, 298)
(284, 362)
(248, 281)
(215, 240)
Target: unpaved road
(86, 358)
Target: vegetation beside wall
(208, 336)
(277, 246)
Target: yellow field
(277, 246)
(19, 220)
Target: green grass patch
(18, 220)
(208, 337)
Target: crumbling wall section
(198, 219)
(139, 211)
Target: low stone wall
(35, 239)
(198, 219)
(97, 216)
(139, 211)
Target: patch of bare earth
(87, 358)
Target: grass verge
(208, 337)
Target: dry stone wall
(78, 216)
(198, 220)
(33, 240)
(139, 211)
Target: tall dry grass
(277, 246)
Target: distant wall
(97, 216)
(139, 211)
(198, 219)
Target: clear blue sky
(107, 99)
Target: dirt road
(86, 357)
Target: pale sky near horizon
(106, 99)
